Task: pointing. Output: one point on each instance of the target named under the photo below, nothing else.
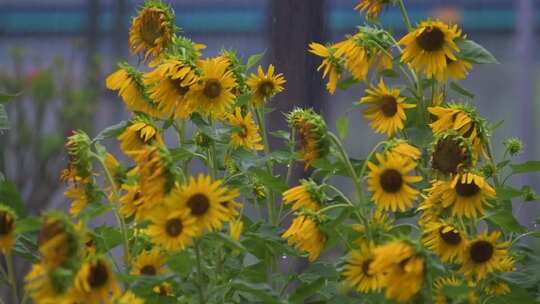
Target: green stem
(199, 274)
(345, 158)
(11, 277)
(495, 176)
(181, 136)
(119, 218)
(370, 155)
(328, 208)
(269, 169)
(290, 165)
(358, 214)
(404, 15)
(212, 165)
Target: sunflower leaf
(342, 125)
(461, 90)
(12, 198)
(472, 51)
(112, 131)
(526, 167)
(505, 220)
(253, 60)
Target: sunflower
(466, 194)
(235, 229)
(439, 286)
(387, 108)
(149, 263)
(265, 86)
(82, 195)
(41, 288)
(246, 133)
(431, 206)
(127, 81)
(212, 94)
(7, 229)
(357, 271)
(131, 201)
(455, 69)
(151, 30)
(403, 269)
(137, 136)
(497, 288)
(172, 228)
(330, 65)
(305, 235)
(202, 197)
(372, 8)
(155, 177)
(307, 195)
(446, 240)
(130, 298)
(356, 57)
(57, 242)
(484, 255)
(312, 131)
(429, 46)
(164, 289)
(169, 84)
(95, 282)
(231, 206)
(390, 182)
(461, 118)
(451, 153)
(404, 149)
(378, 220)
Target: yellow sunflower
(151, 30)
(484, 255)
(466, 194)
(372, 8)
(130, 298)
(155, 178)
(80, 194)
(95, 282)
(235, 229)
(246, 133)
(428, 46)
(41, 288)
(231, 206)
(7, 229)
(356, 58)
(172, 228)
(386, 109)
(403, 270)
(212, 94)
(56, 242)
(446, 240)
(455, 69)
(390, 182)
(131, 201)
(169, 84)
(357, 271)
(137, 136)
(404, 149)
(202, 197)
(451, 154)
(431, 206)
(164, 289)
(497, 288)
(149, 263)
(439, 286)
(330, 64)
(312, 133)
(265, 86)
(378, 220)
(305, 235)
(307, 195)
(127, 82)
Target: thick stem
(11, 277)
(200, 289)
(404, 15)
(269, 169)
(345, 158)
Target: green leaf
(107, 238)
(232, 244)
(474, 52)
(253, 60)
(281, 134)
(306, 290)
(181, 262)
(346, 83)
(526, 167)
(94, 209)
(28, 224)
(461, 90)
(517, 295)
(6, 97)
(507, 193)
(9, 196)
(260, 291)
(112, 131)
(505, 220)
(275, 183)
(342, 125)
(4, 122)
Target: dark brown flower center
(391, 180)
(365, 267)
(199, 204)
(151, 27)
(225, 204)
(98, 276)
(212, 88)
(266, 88)
(243, 133)
(467, 190)
(174, 227)
(6, 223)
(49, 231)
(431, 39)
(450, 237)
(148, 270)
(388, 106)
(481, 251)
(448, 155)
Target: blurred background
(57, 53)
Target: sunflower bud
(78, 148)
(513, 145)
(529, 194)
(451, 153)
(7, 228)
(312, 131)
(260, 191)
(202, 140)
(58, 244)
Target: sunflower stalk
(200, 283)
(11, 277)
(405, 15)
